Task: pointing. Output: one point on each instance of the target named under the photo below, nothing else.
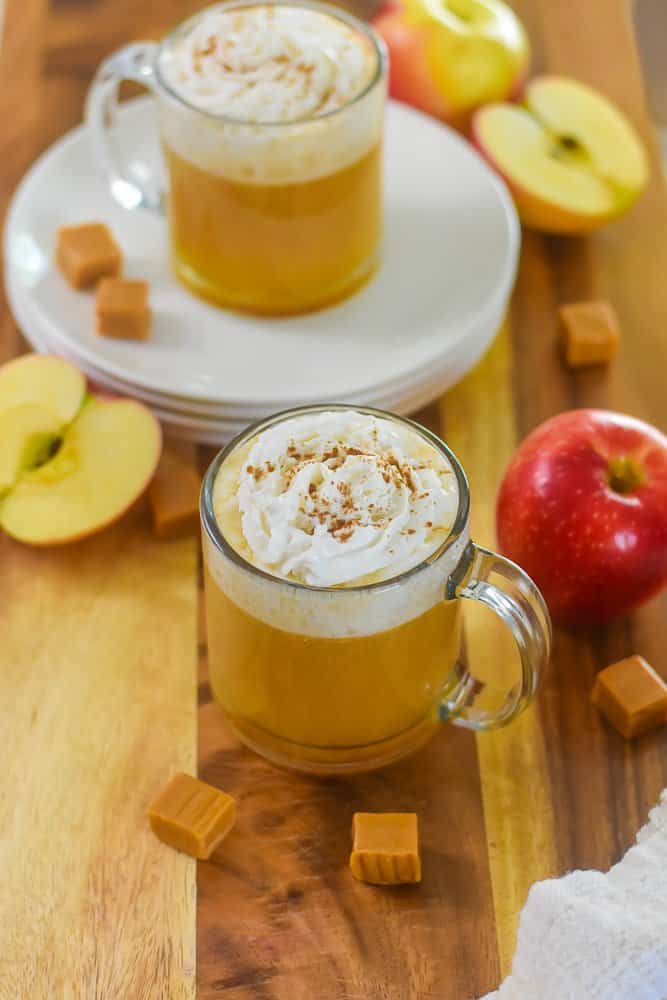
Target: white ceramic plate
(450, 253)
(400, 398)
(189, 425)
(217, 431)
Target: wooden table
(99, 649)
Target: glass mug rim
(379, 49)
(216, 536)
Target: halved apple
(107, 458)
(570, 157)
(52, 383)
(28, 434)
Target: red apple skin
(594, 552)
(409, 79)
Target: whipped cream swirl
(340, 497)
(268, 64)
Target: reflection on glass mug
(271, 120)
(337, 552)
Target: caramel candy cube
(174, 493)
(589, 333)
(192, 816)
(87, 253)
(632, 696)
(385, 848)
(122, 308)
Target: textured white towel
(589, 936)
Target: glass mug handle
(519, 604)
(133, 185)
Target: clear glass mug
(307, 677)
(272, 219)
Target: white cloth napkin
(589, 936)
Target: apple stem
(624, 475)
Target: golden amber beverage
(341, 676)
(336, 551)
(327, 701)
(275, 248)
(271, 119)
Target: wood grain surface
(98, 705)
(98, 643)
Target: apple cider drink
(272, 141)
(314, 654)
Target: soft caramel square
(192, 816)
(632, 696)
(589, 333)
(87, 253)
(122, 308)
(174, 492)
(385, 848)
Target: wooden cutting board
(99, 641)
(97, 706)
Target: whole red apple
(583, 509)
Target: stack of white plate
(449, 259)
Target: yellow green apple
(570, 157)
(447, 57)
(70, 464)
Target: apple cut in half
(107, 457)
(571, 159)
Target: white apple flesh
(570, 157)
(48, 381)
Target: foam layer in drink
(335, 499)
(268, 79)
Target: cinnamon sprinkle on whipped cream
(268, 63)
(339, 498)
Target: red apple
(583, 509)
